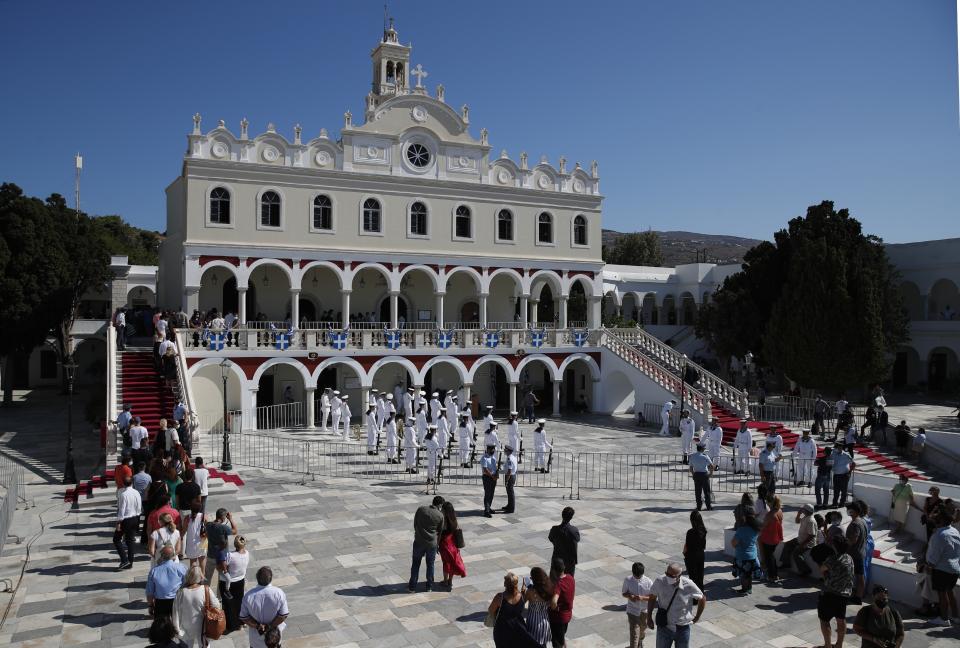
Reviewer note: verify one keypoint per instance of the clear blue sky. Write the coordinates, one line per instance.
(720, 117)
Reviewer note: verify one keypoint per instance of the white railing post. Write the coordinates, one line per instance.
(111, 406)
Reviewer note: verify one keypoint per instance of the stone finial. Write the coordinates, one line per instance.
(503, 154)
(271, 128)
(544, 160)
(465, 114)
(563, 164)
(221, 124)
(593, 170)
(523, 160)
(196, 123)
(484, 135)
(323, 133)
(347, 119)
(244, 126)
(440, 92)
(296, 133)
(577, 166)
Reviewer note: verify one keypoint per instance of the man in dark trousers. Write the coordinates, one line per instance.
(564, 538)
(488, 465)
(427, 525)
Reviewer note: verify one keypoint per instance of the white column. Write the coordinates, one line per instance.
(191, 299)
(345, 308)
(439, 313)
(483, 309)
(593, 313)
(250, 416)
(533, 311)
(563, 312)
(295, 306)
(242, 301)
(556, 397)
(394, 309)
(513, 397)
(311, 415)
(524, 315)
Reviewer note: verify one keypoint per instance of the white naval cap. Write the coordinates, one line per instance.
(514, 413)
(489, 406)
(454, 397)
(346, 396)
(541, 421)
(389, 396)
(493, 424)
(435, 394)
(374, 390)
(431, 427)
(423, 393)
(409, 388)
(443, 409)
(336, 391)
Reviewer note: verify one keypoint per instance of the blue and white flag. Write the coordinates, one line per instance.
(338, 339)
(215, 341)
(391, 338)
(537, 338)
(282, 341)
(445, 338)
(491, 339)
(580, 337)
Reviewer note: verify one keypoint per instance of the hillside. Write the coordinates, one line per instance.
(682, 247)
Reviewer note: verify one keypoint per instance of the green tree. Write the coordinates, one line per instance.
(636, 248)
(140, 246)
(819, 304)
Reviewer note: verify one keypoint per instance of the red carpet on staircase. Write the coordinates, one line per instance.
(142, 388)
(730, 423)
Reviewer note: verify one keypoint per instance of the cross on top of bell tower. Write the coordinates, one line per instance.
(391, 68)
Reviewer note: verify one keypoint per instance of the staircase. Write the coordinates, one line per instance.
(141, 387)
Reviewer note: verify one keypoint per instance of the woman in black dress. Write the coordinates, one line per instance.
(694, 547)
(510, 630)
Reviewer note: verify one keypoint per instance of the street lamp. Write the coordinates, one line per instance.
(225, 460)
(69, 470)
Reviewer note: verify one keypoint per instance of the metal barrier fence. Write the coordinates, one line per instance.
(568, 470)
(12, 491)
(284, 415)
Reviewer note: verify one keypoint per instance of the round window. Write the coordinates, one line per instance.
(418, 155)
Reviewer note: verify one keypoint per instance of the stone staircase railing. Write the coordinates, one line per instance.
(656, 371)
(710, 385)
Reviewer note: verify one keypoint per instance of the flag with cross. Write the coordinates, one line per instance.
(391, 338)
(215, 341)
(282, 341)
(580, 337)
(537, 338)
(491, 339)
(445, 338)
(338, 339)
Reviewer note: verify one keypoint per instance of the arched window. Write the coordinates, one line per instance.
(390, 77)
(371, 215)
(504, 225)
(545, 228)
(270, 209)
(322, 213)
(463, 225)
(220, 206)
(418, 219)
(579, 230)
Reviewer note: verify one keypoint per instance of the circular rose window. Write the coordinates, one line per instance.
(418, 155)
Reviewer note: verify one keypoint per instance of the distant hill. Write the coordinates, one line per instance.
(682, 247)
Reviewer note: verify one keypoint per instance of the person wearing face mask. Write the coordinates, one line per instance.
(879, 625)
(670, 607)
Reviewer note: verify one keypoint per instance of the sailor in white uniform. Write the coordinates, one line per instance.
(390, 428)
(714, 441)
(434, 407)
(665, 417)
(453, 410)
(514, 435)
(421, 419)
(389, 406)
(397, 394)
(432, 447)
(410, 446)
(372, 428)
(806, 452)
(408, 403)
(777, 440)
(336, 406)
(325, 407)
(741, 445)
(443, 430)
(345, 415)
(372, 397)
(464, 441)
(491, 438)
(687, 428)
(488, 419)
(381, 410)
(540, 446)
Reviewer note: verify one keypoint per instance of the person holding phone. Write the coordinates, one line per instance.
(673, 597)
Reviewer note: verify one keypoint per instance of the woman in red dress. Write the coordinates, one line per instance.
(449, 553)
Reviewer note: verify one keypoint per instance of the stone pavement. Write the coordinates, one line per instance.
(340, 549)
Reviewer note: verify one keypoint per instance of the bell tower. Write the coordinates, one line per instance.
(391, 62)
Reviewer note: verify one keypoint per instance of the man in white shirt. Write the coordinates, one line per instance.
(138, 436)
(463, 442)
(218, 323)
(201, 476)
(434, 407)
(161, 325)
(677, 595)
(336, 411)
(687, 428)
(741, 445)
(514, 436)
(806, 452)
(372, 396)
(325, 407)
(488, 419)
(166, 344)
(665, 417)
(453, 410)
(713, 442)
(636, 589)
(372, 428)
(345, 415)
(129, 509)
(263, 609)
(774, 436)
(120, 323)
(491, 438)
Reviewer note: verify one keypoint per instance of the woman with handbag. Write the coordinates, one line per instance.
(190, 607)
(505, 616)
(451, 542)
(745, 556)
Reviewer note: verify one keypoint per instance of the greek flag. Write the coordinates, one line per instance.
(338, 339)
(537, 338)
(215, 341)
(491, 339)
(580, 337)
(444, 339)
(282, 341)
(391, 338)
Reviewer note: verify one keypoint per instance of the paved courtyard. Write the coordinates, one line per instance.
(340, 549)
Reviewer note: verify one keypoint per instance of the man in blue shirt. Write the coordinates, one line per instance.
(943, 562)
(509, 478)
(488, 464)
(163, 583)
(843, 467)
(768, 466)
(701, 467)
